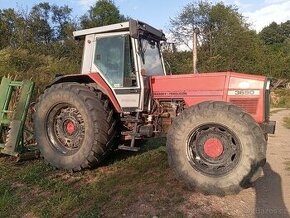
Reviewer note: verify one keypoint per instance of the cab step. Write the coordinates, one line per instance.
(131, 133)
(134, 135)
(128, 148)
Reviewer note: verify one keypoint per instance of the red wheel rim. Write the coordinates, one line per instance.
(70, 127)
(213, 147)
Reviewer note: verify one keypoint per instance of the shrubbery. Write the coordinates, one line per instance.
(281, 98)
(22, 64)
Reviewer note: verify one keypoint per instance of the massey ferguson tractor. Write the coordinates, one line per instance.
(216, 123)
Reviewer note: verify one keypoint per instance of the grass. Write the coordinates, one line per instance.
(276, 110)
(287, 163)
(282, 99)
(286, 121)
(125, 185)
(8, 199)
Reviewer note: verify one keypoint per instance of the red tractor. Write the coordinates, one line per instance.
(216, 123)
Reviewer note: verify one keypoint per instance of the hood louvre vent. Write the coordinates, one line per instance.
(249, 105)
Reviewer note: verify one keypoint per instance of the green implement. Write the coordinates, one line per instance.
(15, 99)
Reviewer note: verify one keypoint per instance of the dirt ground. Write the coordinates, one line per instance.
(270, 195)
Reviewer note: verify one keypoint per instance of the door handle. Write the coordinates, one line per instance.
(133, 90)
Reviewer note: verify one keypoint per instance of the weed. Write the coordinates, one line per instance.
(219, 215)
(283, 99)
(286, 121)
(276, 110)
(8, 199)
(93, 212)
(287, 163)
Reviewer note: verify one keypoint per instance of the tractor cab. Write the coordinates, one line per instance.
(125, 55)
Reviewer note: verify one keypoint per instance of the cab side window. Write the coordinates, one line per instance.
(113, 57)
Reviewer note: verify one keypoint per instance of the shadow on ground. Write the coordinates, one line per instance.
(269, 195)
(144, 144)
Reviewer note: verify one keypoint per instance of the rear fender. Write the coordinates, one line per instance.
(91, 78)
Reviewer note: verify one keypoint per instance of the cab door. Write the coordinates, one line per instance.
(151, 64)
(114, 59)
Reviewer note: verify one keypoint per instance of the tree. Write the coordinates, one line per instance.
(272, 34)
(178, 62)
(61, 17)
(276, 38)
(13, 29)
(7, 25)
(225, 41)
(104, 12)
(39, 25)
(192, 16)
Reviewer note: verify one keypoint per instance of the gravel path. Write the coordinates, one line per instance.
(273, 191)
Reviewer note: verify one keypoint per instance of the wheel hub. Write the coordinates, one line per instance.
(70, 127)
(213, 147)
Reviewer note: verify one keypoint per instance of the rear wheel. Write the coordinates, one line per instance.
(74, 126)
(216, 148)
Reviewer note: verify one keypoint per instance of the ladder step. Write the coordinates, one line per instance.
(128, 148)
(131, 134)
(133, 120)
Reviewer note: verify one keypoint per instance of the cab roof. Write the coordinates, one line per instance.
(136, 29)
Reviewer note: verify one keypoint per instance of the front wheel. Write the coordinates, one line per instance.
(216, 148)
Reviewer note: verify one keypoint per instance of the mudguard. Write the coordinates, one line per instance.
(90, 78)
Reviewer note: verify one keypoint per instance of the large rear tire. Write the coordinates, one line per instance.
(74, 126)
(216, 148)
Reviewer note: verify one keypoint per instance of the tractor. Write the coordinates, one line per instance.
(216, 123)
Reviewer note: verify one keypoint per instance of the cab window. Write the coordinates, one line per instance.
(113, 57)
(151, 57)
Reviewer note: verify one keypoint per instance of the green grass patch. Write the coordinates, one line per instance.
(281, 99)
(93, 212)
(287, 163)
(35, 174)
(58, 204)
(276, 110)
(286, 121)
(219, 215)
(8, 199)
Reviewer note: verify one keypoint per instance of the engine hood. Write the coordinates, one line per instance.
(244, 90)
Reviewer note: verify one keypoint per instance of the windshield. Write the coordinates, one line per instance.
(151, 58)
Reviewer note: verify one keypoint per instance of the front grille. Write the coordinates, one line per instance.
(249, 105)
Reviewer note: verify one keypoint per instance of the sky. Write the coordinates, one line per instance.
(157, 13)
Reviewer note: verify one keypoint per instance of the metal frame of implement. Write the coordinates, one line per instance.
(15, 99)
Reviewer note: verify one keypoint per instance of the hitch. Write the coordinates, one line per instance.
(15, 138)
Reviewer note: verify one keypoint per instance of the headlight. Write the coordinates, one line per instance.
(267, 100)
(268, 84)
(244, 85)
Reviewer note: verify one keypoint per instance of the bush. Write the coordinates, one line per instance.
(281, 98)
(22, 64)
